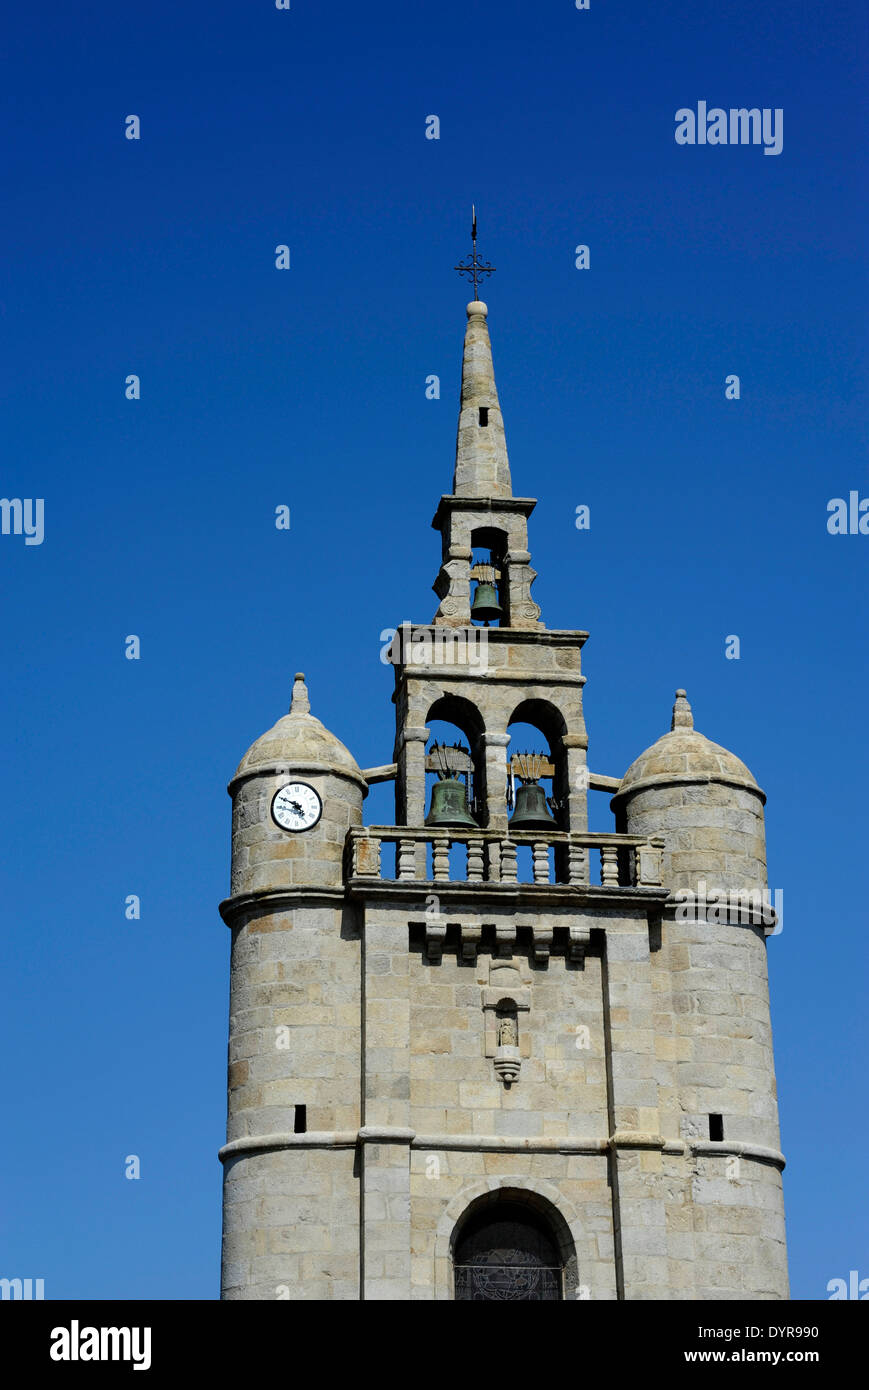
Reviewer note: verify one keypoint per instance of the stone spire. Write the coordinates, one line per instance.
(481, 511)
(682, 716)
(482, 466)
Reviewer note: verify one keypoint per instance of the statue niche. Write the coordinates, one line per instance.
(507, 1059)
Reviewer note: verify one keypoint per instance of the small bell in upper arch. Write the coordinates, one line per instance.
(485, 608)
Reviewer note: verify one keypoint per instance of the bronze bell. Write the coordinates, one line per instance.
(449, 804)
(486, 607)
(531, 811)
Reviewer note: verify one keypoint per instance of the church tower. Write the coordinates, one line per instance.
(483, 1053)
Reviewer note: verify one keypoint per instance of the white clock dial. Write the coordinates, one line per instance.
(296, 806)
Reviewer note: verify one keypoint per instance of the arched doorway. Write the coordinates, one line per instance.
(507, 1251)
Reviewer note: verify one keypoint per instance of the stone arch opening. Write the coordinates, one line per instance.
(489, 547)
(548, 721)
(512, 1245)
(446, 716)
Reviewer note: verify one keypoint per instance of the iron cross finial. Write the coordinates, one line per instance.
(472, 266)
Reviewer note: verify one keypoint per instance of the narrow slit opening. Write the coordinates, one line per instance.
(716, 1127)
(300, 1120)
(484, 415)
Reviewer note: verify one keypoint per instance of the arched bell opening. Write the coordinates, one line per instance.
(538, 788)
(537, 766)
(490, 605)
(455, 764)
(512, 1246)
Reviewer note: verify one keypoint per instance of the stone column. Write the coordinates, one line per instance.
(386, 1134)
(495, 755)
(411, 784)
(495, 765)
(575, 746)
(411, 772)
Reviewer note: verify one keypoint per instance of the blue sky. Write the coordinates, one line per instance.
(306, 388)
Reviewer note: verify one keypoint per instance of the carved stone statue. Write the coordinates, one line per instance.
(507, 1032)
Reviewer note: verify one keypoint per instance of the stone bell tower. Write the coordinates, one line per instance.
(483, 1053)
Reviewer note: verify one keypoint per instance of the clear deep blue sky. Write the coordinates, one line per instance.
(306, 387)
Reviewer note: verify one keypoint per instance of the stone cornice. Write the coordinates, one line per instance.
(276, 899)
(451, 502)
(290, 768)
(524, 895)
(497, 1143)
(499, 675)
(268, 1143)
(542, 896)
(504, 636)
(734, 911)
(733, 1146)
(687, 779)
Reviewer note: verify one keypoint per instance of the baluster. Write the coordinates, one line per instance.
(609, 865)
(475, 861)
(541, 861)
(577, 864)
(440, 858)
(509, 868)
(406, 865)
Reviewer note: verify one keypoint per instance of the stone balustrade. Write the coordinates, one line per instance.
(625, 861)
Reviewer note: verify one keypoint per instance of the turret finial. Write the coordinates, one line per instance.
(472, 266)
(682, 716)
(482, 467)
(300, 704)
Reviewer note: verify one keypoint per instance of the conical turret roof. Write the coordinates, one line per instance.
(298, 739)
(685, 755)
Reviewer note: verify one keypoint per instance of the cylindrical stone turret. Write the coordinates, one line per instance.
(291, 1209)
(711, 968)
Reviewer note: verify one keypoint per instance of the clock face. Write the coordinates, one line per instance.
(296, 806)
